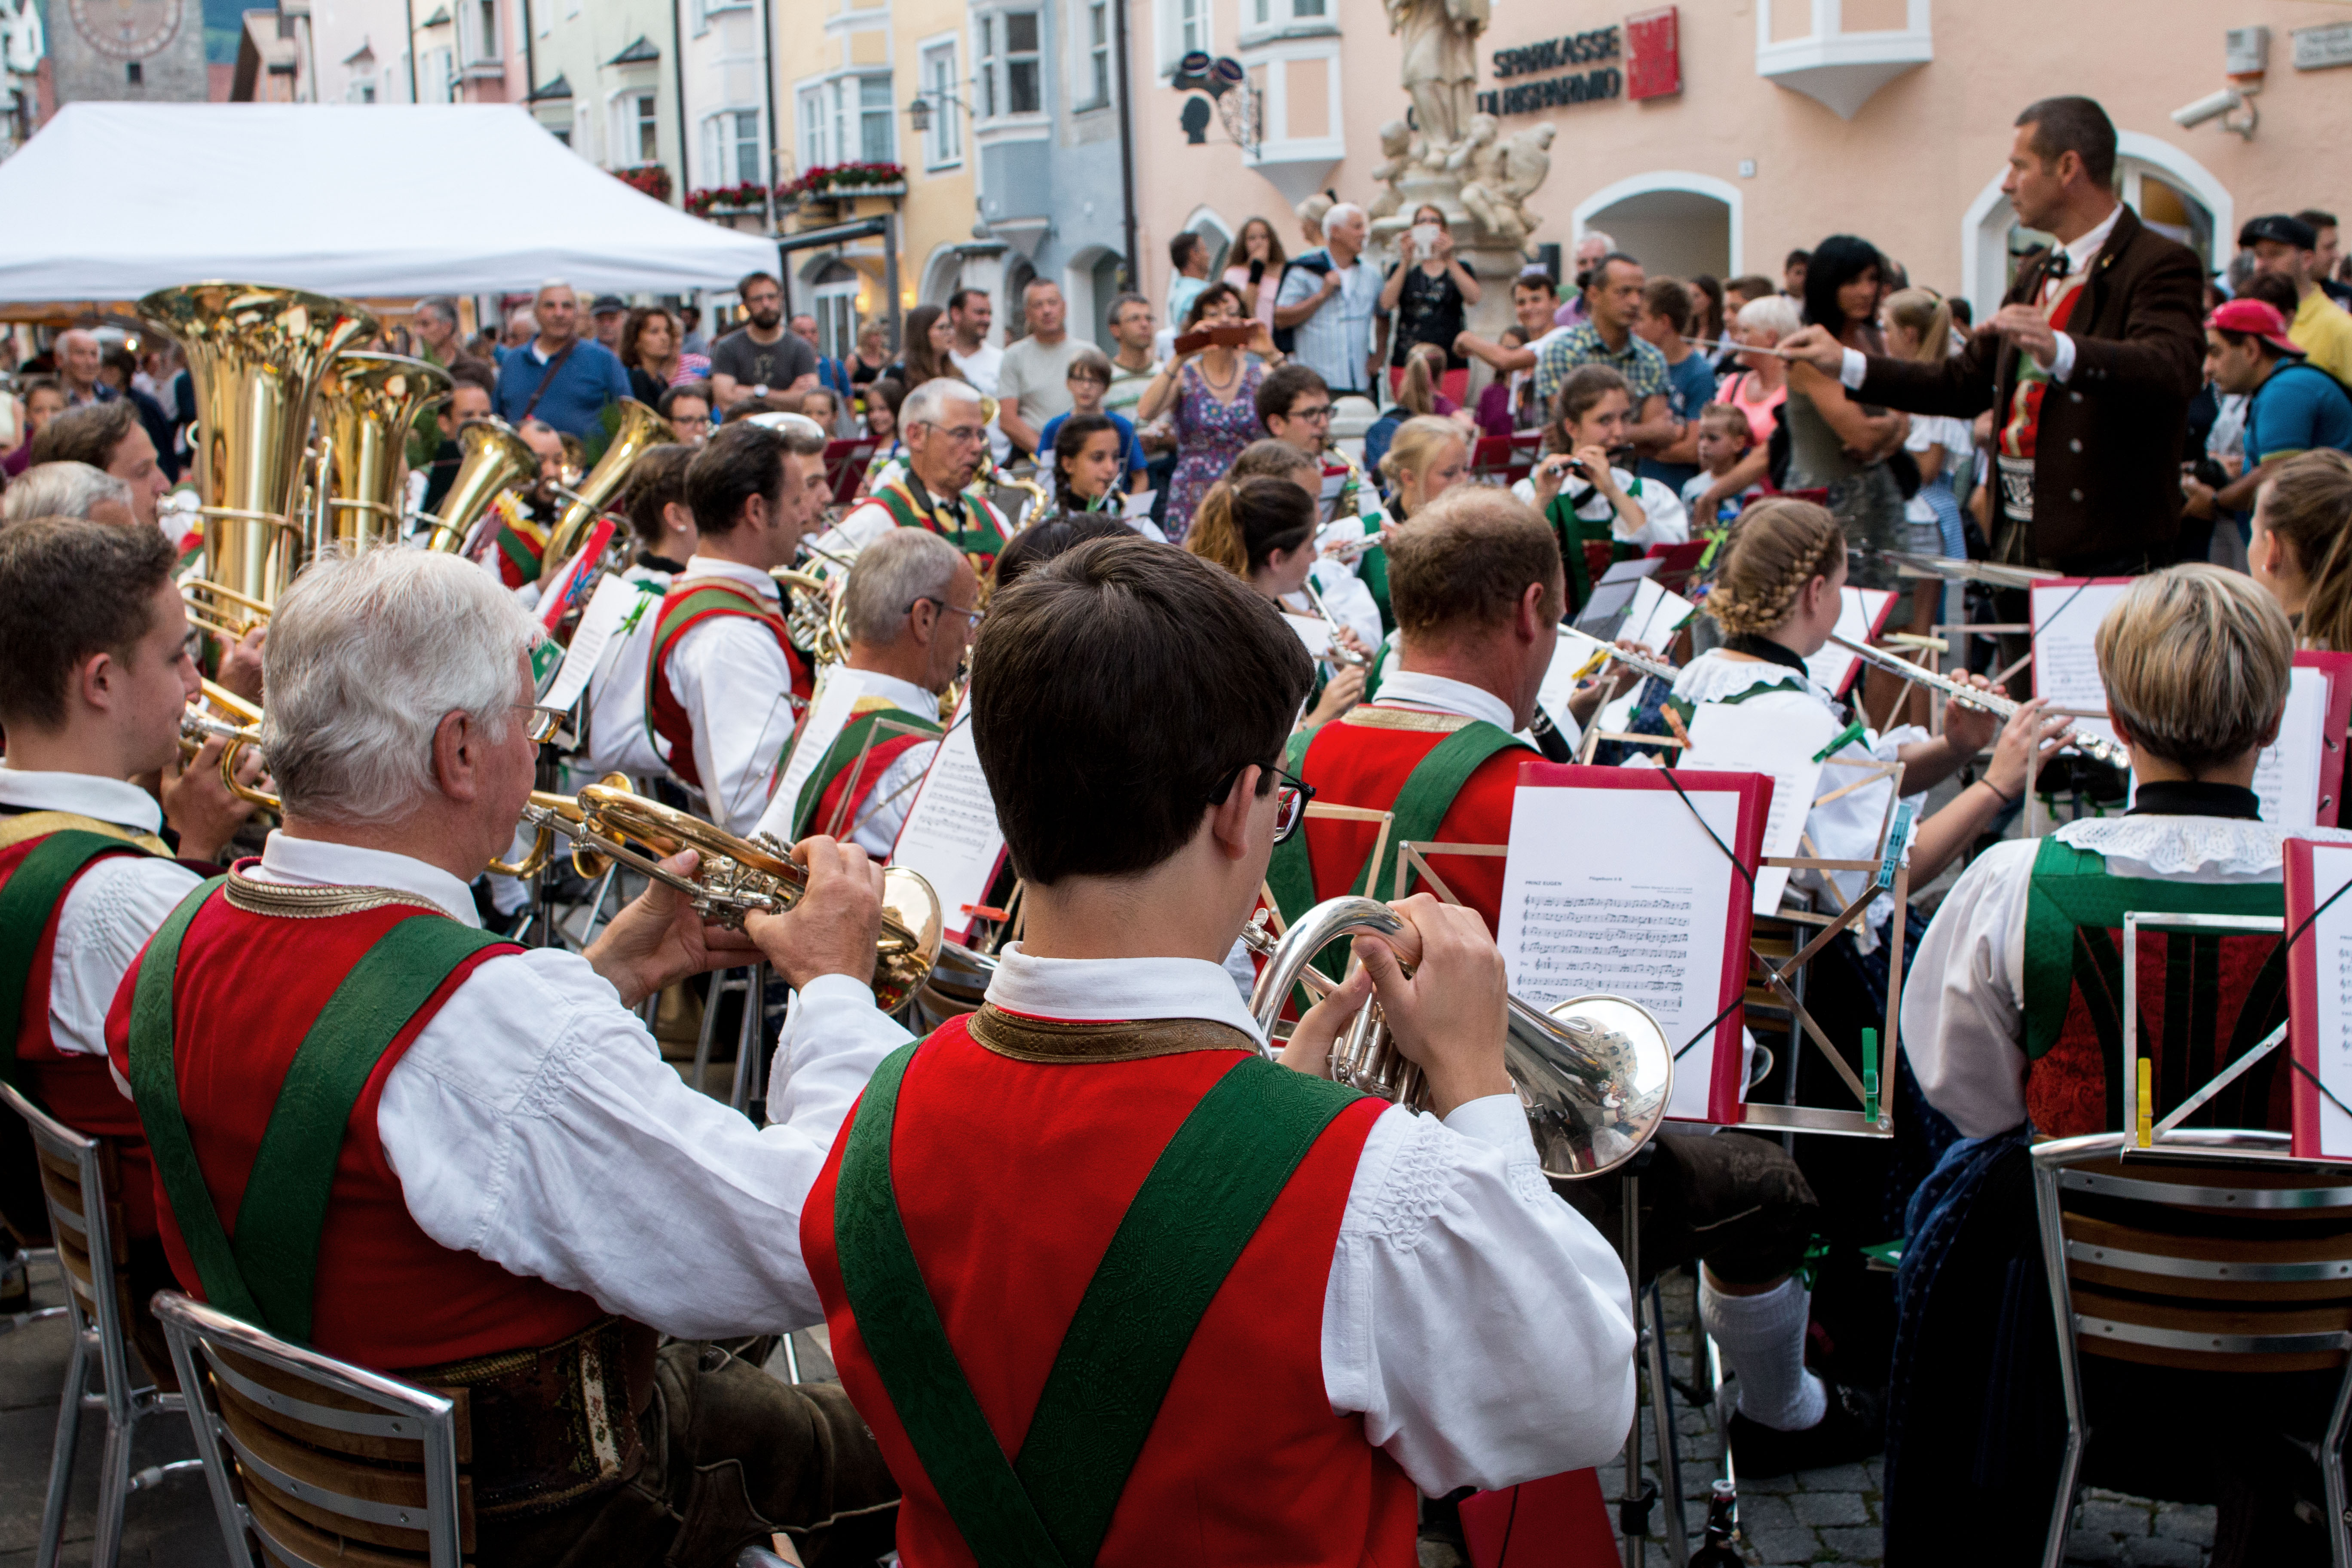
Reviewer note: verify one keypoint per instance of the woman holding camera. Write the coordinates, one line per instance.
(1588, 500)
(1429, 291)
(1211, 383)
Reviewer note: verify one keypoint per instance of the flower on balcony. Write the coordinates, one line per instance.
(653, 179)
(844, 179)
(744, 197)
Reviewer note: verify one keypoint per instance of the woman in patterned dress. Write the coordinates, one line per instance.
(1212, 392)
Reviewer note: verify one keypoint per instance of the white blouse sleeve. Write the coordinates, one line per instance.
(1964, 1002)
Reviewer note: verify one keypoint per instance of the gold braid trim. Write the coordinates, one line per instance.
(315, 903)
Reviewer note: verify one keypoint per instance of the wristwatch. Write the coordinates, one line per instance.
(760, 390)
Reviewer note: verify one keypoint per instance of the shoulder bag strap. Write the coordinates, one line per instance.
(26, 900)
(545, 376)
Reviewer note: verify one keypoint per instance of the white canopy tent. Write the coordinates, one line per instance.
(110, 200)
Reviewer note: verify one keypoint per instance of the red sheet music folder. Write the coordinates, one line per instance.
(1722, 1055)
(2313, 873)
(2338, 667)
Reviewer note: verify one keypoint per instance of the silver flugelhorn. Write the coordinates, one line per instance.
(2097, 747)
(1594, 1073)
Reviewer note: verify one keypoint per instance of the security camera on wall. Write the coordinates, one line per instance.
(2210, 106)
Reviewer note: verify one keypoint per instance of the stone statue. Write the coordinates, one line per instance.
(1503, 176)
(21, 46)
(1405, 152)
(1440, 62)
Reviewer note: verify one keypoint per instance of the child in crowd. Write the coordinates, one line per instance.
(823, 405)
(1089, 379)
(1724, 437)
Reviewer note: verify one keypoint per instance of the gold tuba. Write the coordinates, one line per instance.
(1594, 1073)
(740, 877)
(495, 459)
(256, 357)
(640, 427)
(366, 405)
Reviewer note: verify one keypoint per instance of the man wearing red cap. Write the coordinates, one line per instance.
(2293, 405)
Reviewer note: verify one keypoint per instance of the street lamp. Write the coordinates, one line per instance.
(918, 111)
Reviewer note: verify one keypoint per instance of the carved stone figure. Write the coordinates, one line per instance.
(1404, 152)
(1440, 62)
(1503, 176)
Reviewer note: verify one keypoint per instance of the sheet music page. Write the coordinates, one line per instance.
(2066, 661)
(1313, 631)
(614, 598)
(2287, 775)
(1621, 890)
(1657, 615)
(952, 836)
(837, 691)
(1766, 737)
(1858, 610)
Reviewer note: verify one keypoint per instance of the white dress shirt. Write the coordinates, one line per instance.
(1479, 1325)
(1964, 1006)
(731, 678)
(1418, 688)
(874, 817)
(112, 907)
(618, 738)
(1664, 519)
(535, 1123)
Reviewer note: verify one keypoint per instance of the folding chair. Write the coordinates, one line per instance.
(2188, 1261)
(315, 1460)
(82, 1192)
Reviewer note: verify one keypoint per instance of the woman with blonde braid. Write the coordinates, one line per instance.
(1263, 531)
(2299, 550)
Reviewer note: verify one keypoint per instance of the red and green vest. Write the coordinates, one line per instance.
(256, 1031)
(520, 544)
(1074, 1277)
(833, 781)
(983, 532)
(687, 603)
(2205, 997)
(42, 855)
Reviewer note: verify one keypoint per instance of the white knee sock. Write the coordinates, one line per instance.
(1763, 1338)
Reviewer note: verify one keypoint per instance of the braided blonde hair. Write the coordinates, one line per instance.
(1774, 549)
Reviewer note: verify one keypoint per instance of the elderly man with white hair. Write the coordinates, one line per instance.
(559, 376)
(1332, 318)
(463, 1162)
(725, 688)
(946, 436)
(79, 355)
(911, 605)
(68, 489)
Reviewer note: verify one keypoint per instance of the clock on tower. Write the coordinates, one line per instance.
(126, 29)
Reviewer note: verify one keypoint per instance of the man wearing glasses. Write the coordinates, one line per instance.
(1316, 1302)
(946, 436)
(911, 605)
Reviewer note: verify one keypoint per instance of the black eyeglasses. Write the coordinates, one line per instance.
(1290, 797)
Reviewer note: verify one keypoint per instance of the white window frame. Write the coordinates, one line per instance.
(944, 143)
(629, 113)
(835, 310)
(867, 115)
(1170, 21)
(992, 59)
(810, 113)
(479, 51)
(1261, 18)
(1093, 80)
(831, 114)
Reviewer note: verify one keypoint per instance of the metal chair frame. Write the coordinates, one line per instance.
(410, 1414)
(2052, 1171)
(98, 1336)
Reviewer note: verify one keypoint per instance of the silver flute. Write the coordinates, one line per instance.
(2094, 746)
(1340, 653)
(1657, 666)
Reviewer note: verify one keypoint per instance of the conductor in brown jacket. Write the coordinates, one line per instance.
(2088, 366)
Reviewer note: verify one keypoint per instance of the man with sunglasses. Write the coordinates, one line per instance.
(911, 605)
(946, 436)
(1205, 1299)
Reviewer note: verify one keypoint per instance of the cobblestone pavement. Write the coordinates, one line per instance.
(1831, 1516)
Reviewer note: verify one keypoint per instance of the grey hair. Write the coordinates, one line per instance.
(563, 283)
(367, 654)
(1341, 213)
(441, 305)
(1606, 241)
(1777, 313)
(62, 489)
(902, 566)
(927, 402)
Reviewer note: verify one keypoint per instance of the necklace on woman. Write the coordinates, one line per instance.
(1211, 382)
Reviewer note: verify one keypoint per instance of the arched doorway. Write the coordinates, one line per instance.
(1212, 228)
(2172, 192)
(1090, 282)
(1678, 223)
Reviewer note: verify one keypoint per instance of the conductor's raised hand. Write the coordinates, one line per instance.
(1449, 1017)
(658, 938)
(1816, 346)
(834, 926)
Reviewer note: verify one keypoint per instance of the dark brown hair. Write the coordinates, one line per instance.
(1466, 560)
(1669, 297)
(1579, 391)
(658, 479)
(1067, 658)
(2076, 125)
(923, 363)
(1240, 522)
(86, 434)
(1268, 458)
(1042, 542)
(70, 589)
(1282, 386)
(1209, 296)
(632, 329)
(740, 462)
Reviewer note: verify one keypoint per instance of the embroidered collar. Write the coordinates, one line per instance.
(1759, 646)
(84, 795)
(2195, 797)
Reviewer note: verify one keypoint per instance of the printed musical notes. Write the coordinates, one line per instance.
(951, 835)
(2286, 776)
(2066, 614)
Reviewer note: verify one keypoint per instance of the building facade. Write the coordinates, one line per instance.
(605, 84)
(131, 51)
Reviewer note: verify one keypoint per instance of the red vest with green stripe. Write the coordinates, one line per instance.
(2205, 997)
(983, 532)
(840, 775)
(250, 1069)
(1449, 780)
(77, 1090)
(689, 603)
(1177, 1413)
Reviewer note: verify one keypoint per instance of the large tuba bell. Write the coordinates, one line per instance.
(640, 427)
(1594, 1073)
(367, 404)
(256, 357)
(495, 458)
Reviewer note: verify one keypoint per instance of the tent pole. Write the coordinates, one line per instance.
(890, 271)
(410, 7)
(678, 68)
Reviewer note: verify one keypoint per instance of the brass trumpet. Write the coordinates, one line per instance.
(1593, 1073)
(741, 877)
(201, 723)
(495, 460)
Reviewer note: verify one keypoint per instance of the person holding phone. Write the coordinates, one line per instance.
(1256, 270)
(1429, 291)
